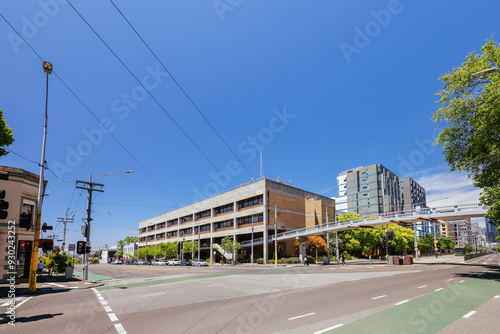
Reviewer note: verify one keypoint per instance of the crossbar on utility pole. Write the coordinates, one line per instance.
(89, 186)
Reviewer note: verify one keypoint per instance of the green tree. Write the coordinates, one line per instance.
(190, 247)
(6, 136)
(470, 114)
(228, 245)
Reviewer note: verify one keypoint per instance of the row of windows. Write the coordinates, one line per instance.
(249, 219)
(250, 202)
(172, 222)
(224, 224)
(223, 209)
(187, 231)
(186, 219)
(172, 234)
(203, 214)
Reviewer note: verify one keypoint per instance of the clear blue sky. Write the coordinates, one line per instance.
(320, 87)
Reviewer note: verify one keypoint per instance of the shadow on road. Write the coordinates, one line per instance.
(37, 317)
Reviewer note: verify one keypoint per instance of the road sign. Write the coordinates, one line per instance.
(71, 247)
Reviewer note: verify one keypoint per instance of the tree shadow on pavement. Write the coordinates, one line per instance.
(37, 317)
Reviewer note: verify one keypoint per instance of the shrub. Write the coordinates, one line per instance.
(260, 261)
(94, 260)
(61, 261)
(311, 260)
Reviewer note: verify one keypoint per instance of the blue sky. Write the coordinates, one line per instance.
(320, 87)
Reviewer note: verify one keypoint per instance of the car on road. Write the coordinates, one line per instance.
(117, 262)
(174, 262)
(199, 263)
(185, 263)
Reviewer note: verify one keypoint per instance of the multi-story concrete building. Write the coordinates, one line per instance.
(412, 195)
(370, 190)
(248, 207)
(21, 192)
(491, 232)
(129, 249)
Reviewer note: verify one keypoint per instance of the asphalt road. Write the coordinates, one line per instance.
(343, 299)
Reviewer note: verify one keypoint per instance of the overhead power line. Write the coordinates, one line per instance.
(182, 89)
(90, 111)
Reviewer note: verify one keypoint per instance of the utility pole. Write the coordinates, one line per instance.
(89, 186)
(327, 238)
(275, 236)
(64, 221)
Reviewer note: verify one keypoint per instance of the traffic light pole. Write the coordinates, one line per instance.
(89, 186)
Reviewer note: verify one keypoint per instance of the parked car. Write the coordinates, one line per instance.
(140, 262)
(147, 263)
(199, 263)
(117, 262)
(185, 263)
(174, 262)
(161, 263)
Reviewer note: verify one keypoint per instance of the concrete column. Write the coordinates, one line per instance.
(211, 251)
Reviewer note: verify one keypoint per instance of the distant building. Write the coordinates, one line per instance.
(412, 195)
(108, 255)
(370, 190)
(491, 232)
(129, 249)
(237, 212)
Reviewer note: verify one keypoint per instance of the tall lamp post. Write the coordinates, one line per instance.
(89, 186)
(47, 68)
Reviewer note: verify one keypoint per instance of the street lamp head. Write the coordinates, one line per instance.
(484, 72)
(47, 67)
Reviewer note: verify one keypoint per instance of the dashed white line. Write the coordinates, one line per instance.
(379, 297)
(469, 314)
(496, 297)
(439, 289)
(329, 329)
(402, 302)
(302, 316)
(461, 281)
(107, 309)
(451, 279)
(113, 317)
(213, 285)
(119, 328)
(422, 286)
(155, 294)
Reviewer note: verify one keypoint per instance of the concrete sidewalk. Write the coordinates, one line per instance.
(47, 284)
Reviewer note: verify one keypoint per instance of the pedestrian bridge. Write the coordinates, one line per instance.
(404, 219)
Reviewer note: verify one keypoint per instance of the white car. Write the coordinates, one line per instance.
(174, 262)
(161, 263)
(117, 262)
(199, 263)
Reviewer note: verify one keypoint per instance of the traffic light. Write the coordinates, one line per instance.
(384, 241)
(81, 247)
(3, 205)
(45, 227)
(26, 220)
(47, 244)
(87, 249)
(390, 235)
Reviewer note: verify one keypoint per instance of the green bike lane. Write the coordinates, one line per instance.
(429, 313)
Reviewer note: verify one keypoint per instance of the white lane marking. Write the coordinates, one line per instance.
(451, 279)
(213, 285)
(439, 289)
(402, 302)
(112, 317)
(302, 316)
(119, 328)
(379, 297)
(354, 279)
(461, 281)
(107, 309)
(329, 329)
(422, 286)
(104, 303)
(155, 294)
(469, 314)
(485, 262)
(59, 285)
(496, 297)
(17, 305)
(13, 300)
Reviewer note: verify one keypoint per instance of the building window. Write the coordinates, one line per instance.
(248, 220)
(203, 214)
(172, 234)
(227, 223)
(250, 202)
(186, 219)
(223, 209)
(151, 228)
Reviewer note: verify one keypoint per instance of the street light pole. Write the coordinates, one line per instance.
(47, 68)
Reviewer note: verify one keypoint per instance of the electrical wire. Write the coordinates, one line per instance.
(88, 109)
(181, 89)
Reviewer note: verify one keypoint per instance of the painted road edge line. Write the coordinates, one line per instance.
(469, 314)
(496, 297)
(439, 289)
(302, 316)
(329, 329)
(402, 302)
(422, 286)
